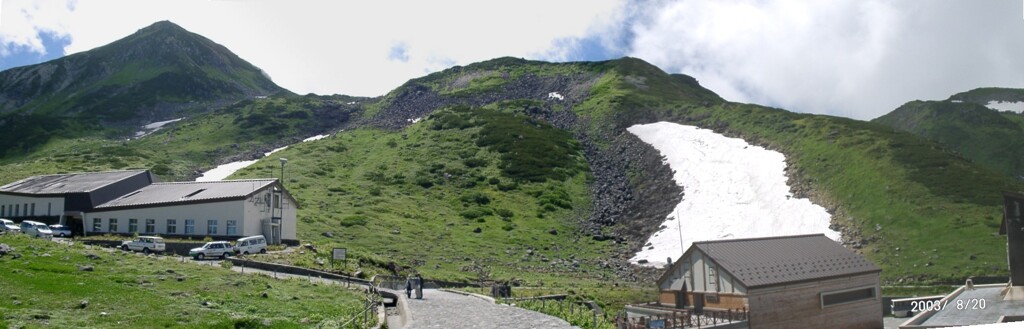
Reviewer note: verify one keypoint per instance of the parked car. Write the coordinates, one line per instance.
(7, 225)
(220, 249)
(36, 229)
(145, 244)
(60, 230)
(251, 245)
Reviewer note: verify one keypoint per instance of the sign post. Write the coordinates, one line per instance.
(339, 254)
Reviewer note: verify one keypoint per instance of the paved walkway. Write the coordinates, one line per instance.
(444, 310)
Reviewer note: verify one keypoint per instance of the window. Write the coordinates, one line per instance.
(113, 225)
(150, 225)
(211, 226)
(3, 211)
(97, 223)
(33, 209)
(232, 227)
(277, 201)
(26, 210)
(17, 210)
(133, 225)
(172, 226)
(711, 298)
(190, 226)
(712, 276)
(847, 296)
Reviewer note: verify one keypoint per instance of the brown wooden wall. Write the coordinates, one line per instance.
(725, 301)
(799, 306)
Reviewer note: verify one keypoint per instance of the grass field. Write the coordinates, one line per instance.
(45, 288)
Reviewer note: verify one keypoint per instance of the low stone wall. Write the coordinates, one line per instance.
(175, 248)
(288, 269)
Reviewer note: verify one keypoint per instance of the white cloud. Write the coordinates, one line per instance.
(855, 58)
(329, 47)
(22, 22)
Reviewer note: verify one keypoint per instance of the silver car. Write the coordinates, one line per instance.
(7, 225)
(60, 230)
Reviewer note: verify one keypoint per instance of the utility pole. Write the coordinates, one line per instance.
(283, 161)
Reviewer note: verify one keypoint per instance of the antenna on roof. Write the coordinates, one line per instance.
(680, 227)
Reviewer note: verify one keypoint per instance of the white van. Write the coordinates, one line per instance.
(251, 245)
(36, 229)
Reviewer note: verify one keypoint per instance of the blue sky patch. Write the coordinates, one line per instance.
(23, 55)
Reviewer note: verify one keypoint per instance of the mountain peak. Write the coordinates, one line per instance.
(160, 71)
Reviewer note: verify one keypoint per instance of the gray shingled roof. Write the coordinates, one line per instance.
(187, 192)
(781, 260)
(67, 183)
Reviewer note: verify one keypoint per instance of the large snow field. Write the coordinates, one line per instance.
(731, 190)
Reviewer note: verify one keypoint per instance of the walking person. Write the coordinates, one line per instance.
(419, 286)
(408, 287)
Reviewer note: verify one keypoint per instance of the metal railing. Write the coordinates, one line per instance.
(683, 319)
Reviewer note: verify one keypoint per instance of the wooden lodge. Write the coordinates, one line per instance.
(803, 281)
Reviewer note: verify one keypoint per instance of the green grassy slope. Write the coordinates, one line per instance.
(415, 197)
(983, 135)
(183, 148)
(44, 288)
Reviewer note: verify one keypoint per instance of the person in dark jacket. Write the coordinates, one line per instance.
(408, 288)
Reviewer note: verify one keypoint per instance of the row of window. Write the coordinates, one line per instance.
(172, 226)
(18, 210)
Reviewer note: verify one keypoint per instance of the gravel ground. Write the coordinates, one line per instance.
(439, 309)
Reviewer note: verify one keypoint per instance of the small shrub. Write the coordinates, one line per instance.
(476, 212)
(353, 220)
(424, 182)
(478, 198)
(504, 213)
(475, 162)
(375, 191)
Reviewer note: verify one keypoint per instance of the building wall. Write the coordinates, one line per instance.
(44, 206)
(725, 301)
(201, 213)
(799, 305)
(701, 274)
(259, 209)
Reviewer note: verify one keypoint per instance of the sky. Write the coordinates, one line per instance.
(851, 58)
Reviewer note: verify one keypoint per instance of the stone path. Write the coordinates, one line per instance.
(445, 310)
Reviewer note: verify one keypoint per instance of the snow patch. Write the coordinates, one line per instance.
(1016, 107)
(223, 171)
(153, 127)
(732, 190)
(314, 138)
(556, 95)
(414, 120)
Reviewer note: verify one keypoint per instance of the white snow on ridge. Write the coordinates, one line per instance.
(153, 127)
(1017, 107)
(732, 190)
(556, 95)
(223, 171)
(314, 138)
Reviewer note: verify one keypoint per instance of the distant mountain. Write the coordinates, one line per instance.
(160, 72)
(966, 124)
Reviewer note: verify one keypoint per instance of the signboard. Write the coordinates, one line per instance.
(339, 254)
(656, 324)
